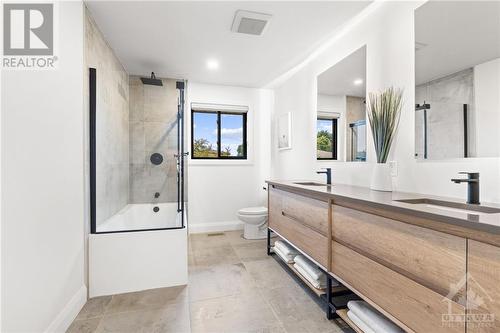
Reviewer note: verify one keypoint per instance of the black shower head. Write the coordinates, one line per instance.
(152, 80)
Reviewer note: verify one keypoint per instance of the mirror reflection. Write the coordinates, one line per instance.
(341, 110)
(457, 76)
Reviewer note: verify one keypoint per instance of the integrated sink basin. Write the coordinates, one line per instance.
(310, 184)
(452, 206)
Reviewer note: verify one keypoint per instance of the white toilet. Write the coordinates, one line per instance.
(255, 219)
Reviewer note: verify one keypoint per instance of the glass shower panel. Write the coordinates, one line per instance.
(358, 140)
(420, 134)
(441, 131)
(137, 146)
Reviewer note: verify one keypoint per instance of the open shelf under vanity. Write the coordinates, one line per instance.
(318, 292)
(342, 313)
(334, 303)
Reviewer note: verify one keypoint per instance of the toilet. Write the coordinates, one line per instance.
(255, 220)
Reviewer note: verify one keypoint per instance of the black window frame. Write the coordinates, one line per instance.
(219, 156)
(334, 138)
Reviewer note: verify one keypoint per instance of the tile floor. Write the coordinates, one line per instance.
(233, 287)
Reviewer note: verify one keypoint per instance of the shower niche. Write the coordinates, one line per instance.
(137, 135)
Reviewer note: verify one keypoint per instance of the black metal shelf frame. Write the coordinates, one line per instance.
(330, 301)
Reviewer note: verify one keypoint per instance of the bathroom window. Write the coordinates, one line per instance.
(326, 139)
(218, 135)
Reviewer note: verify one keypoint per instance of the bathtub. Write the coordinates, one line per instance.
(150, 257)
(142, 217)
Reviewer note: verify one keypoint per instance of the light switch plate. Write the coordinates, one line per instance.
(393, 165)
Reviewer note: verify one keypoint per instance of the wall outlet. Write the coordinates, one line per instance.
(393, 165)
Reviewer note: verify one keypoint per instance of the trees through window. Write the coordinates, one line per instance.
(218, 135)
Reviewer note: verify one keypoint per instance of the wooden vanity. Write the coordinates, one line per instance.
(409, 262)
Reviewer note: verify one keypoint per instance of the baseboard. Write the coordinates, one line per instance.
(64, 319)
(198, 228)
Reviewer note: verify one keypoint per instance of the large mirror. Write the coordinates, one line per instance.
(457, 77)
(341, 110)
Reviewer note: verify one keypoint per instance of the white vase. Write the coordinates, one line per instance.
(381, 178)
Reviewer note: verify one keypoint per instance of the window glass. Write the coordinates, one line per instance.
(232, 135)
(219, 135)
(326, 139)
(204, 129)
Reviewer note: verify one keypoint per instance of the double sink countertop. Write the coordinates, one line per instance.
(484, 217)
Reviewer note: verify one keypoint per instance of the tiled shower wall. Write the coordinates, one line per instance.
(112, 123)
(153, 129)
(355, 110)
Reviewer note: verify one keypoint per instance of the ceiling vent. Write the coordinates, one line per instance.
(250, 23)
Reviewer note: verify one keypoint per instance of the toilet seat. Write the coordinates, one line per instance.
(253, 211)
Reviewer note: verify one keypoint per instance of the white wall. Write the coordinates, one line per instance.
(487, 107)
(218, 189)
(43, 188)
(388, 32)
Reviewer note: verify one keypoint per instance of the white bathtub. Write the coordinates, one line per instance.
(142, 217)
(121, 262)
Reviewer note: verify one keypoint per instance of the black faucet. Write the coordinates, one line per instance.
(328, 175)
(472, 186)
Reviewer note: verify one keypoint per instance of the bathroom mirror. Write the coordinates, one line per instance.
(457, 78)
(341, 110)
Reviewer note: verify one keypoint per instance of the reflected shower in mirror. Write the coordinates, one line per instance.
(457, 77)
(341, 110)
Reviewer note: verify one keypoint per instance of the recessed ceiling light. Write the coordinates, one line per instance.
(358, 82)
(212, 64)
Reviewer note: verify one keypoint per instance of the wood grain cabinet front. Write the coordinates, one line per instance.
(434, 259)
(308, 211)
(301, 220)
(407, 302)
(424, 280)
(483, 288)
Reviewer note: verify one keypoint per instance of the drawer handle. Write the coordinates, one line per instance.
(291, 217)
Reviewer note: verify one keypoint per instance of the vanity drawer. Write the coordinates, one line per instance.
(299, 233)
(303, 237)
(305, 210)
(412, 304)
(484, 288)
(431, 258)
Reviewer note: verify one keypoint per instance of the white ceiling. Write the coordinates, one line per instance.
(458, 34)
(338, 80)
(175, 39)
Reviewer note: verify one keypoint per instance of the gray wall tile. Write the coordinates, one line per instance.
(112, 123)
(153, 129)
